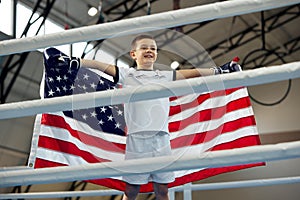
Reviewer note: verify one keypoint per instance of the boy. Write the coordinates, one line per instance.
(147, 121)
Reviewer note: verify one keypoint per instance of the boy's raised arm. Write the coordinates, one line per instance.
(229, 67)
(104, 67)
(192, 73)
(55, 57)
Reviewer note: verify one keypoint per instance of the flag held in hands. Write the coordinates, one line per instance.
(212, 121)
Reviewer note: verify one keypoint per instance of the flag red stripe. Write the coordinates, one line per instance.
(209, 114)
(108, 182)
(69, 148)
(252, 140)
(42, 163)
(214, 93)
(59, 122)
(199, 100)
(206, 173)
(207, 136)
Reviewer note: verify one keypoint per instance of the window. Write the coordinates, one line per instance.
(23, 16)
(6, 10)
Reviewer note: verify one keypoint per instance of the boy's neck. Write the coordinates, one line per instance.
(150, 68)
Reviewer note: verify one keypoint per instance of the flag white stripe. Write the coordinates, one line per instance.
(186, 172)
(191, 97)
(185, 99)
(212, 124)
(210, 103)
(59, 157)
(221, 139)
(64, 135)
(35, 140)
(83, 127)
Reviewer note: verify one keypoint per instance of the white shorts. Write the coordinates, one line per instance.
(145, 145)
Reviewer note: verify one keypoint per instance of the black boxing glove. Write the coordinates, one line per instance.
(229, 67)
(55, 58)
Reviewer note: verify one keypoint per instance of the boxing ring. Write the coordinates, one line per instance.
(263, 153)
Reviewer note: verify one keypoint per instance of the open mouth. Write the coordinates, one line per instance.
(148, 56)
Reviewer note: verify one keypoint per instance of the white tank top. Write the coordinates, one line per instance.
(150, 115)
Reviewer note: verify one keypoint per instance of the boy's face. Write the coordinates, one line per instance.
(145, 53)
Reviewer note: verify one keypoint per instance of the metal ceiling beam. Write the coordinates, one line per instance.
(77, 185)
(291, 46)
(125, 8)
(254, 32)
(251, 33)
(18, 189)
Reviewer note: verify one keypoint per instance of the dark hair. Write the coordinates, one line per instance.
(138, 38)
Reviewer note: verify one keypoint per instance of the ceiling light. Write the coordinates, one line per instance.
(92, 11)
(174, 65)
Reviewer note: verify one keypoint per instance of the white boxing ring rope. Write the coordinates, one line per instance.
(143, 24)
(213, 159)
(175, 88)
(252, 154)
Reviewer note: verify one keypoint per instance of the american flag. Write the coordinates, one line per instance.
(212, 121)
